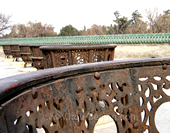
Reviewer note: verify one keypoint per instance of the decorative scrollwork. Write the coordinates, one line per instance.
(80, 56)
(150, 94)
(97, 55)
(74, 104)
(61, 58)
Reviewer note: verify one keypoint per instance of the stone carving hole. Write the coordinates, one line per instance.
(17, 120)
(108, 57)
(105, 124)
(162, 118)
(29, 113)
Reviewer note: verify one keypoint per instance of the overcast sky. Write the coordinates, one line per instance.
(78, 13)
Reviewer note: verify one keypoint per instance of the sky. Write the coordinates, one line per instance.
(78, 13)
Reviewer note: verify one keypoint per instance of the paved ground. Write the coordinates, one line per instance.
(162, 118)
(8, 70)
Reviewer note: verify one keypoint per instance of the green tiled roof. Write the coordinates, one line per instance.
(94, 39)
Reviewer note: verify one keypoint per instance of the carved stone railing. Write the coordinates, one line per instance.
(7, 50)
(26, 54)
(37, 56)
(61, 55)
(15, 51)
(73, 98)
(64, 55)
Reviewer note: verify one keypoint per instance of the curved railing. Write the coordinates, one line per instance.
(94, 39)
(73, 98)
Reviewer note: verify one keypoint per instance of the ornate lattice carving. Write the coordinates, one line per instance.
(25, 52)
(40, 110)
(61, 58)
(80, 56)
(150, 86)
(97, 55)
(37, 58)
(7, 50)
(15, 51)
(57, 108)
(38, 63)
(15, 47)
(106, 96)
(25, 49)
(36, 51)
(26, 58)
(48, 59)
(74, 104)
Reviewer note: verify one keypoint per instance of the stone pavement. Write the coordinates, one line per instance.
(7, 70)
(162, 117)
(10, 68)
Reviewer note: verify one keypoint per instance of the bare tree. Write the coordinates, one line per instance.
(158, 23)
(31, 30)
(152, 17)
(163, 22)
(4, 23)
(95, 30)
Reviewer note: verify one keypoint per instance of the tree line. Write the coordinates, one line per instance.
(157, 23)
